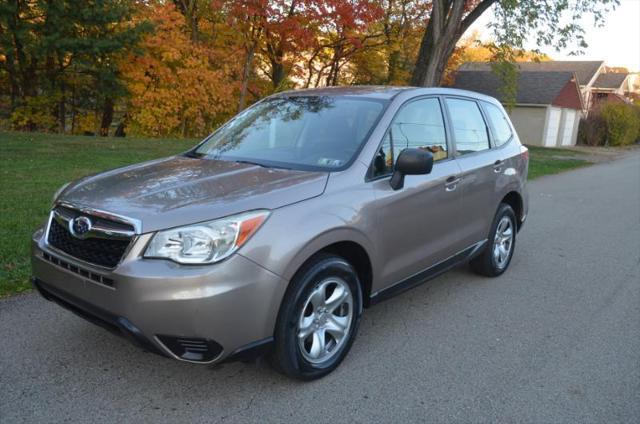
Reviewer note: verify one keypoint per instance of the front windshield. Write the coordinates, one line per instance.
(312, 133)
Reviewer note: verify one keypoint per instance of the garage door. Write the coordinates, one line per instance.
(569, 121)
(553, 125)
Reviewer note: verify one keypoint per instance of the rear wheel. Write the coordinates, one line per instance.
(496, 257)
(318, 319)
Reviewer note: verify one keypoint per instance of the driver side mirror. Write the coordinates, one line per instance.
(410, 162)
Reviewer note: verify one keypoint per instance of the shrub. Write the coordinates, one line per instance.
(35, 114)
(592, 130)
(613, 124)
(623, 123)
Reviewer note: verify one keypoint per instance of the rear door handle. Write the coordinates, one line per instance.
(497, 166)
(451, 183)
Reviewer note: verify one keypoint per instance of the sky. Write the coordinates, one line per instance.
(617, 42)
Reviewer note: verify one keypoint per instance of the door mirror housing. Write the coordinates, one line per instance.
(410, 162)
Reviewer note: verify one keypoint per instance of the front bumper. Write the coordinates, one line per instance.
(198, 314)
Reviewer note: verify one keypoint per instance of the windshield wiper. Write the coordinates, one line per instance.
(262, 165)
(194, 154)
(248, 162)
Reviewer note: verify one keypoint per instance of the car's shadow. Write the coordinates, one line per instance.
(92, 349)
(403, 339)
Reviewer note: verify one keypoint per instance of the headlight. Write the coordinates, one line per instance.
(60, 190)
(206, 242)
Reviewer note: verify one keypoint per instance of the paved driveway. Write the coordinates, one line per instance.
(556, 339)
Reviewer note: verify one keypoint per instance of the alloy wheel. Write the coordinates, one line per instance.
(325, 321)
(503, 242)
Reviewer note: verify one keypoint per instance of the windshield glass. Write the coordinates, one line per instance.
(313, 133)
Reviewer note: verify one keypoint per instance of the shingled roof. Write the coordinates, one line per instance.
(536, 88)
(584, 69)
(611, 80)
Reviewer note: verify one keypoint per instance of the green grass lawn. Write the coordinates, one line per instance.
(34, 166)
(546, 161)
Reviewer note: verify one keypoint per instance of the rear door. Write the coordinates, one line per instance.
(480, 166)
(418, 224)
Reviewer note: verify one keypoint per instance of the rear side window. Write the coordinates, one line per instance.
(469, 128)
(418, 125)
(500, 124)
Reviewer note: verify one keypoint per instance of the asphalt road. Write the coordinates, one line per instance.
(555, 339)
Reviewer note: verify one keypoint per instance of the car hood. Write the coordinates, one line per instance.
(181, 190)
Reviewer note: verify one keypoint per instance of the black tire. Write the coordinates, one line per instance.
(485, 263)
(287, 356)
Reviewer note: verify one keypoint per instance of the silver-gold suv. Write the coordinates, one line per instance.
(274, 233)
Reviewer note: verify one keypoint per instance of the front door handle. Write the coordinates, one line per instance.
(451, 183)
(497, 166)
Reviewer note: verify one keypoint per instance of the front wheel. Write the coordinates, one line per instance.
(496, 257)
(318, 319)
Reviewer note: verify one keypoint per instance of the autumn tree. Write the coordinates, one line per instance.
(402, 29)
(399, 31)
(54, 49)
(178, 87)
(247, 17)
(341, 34)
(549, 22)
(288, 28)
(192, 10)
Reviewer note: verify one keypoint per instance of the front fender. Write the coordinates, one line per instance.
(294, 233)
(331, 236)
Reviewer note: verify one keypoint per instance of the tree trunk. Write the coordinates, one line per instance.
(194, 28)
(334, 69)
(190, 11)
(120, 130)
(13, 80)
(62, 111)
(444, 29)
(392, 70)
(26, 70)
(432, 61)
(107, 117)
(184, 127)
(248, 64)
(277, 72)
(73, 109)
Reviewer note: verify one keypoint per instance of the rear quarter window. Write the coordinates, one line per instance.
(499, 123)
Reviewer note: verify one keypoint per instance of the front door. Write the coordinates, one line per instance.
(417, 225)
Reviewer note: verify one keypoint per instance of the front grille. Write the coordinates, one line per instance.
(100, 251)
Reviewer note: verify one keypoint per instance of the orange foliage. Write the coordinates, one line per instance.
(178, 87)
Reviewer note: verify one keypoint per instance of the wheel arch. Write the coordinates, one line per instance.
(351, 248)
(514, 199)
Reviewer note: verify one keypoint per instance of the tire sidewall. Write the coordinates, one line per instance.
(289, 357)
(503, 210)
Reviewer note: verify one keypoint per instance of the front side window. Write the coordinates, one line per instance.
(419, 125)
(499, 123)
(469, 128)
(309, 133)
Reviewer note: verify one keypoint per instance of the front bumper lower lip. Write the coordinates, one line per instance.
(189, 349)
(116, 325)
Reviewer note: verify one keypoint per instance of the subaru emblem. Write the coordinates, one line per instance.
(80, 226)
